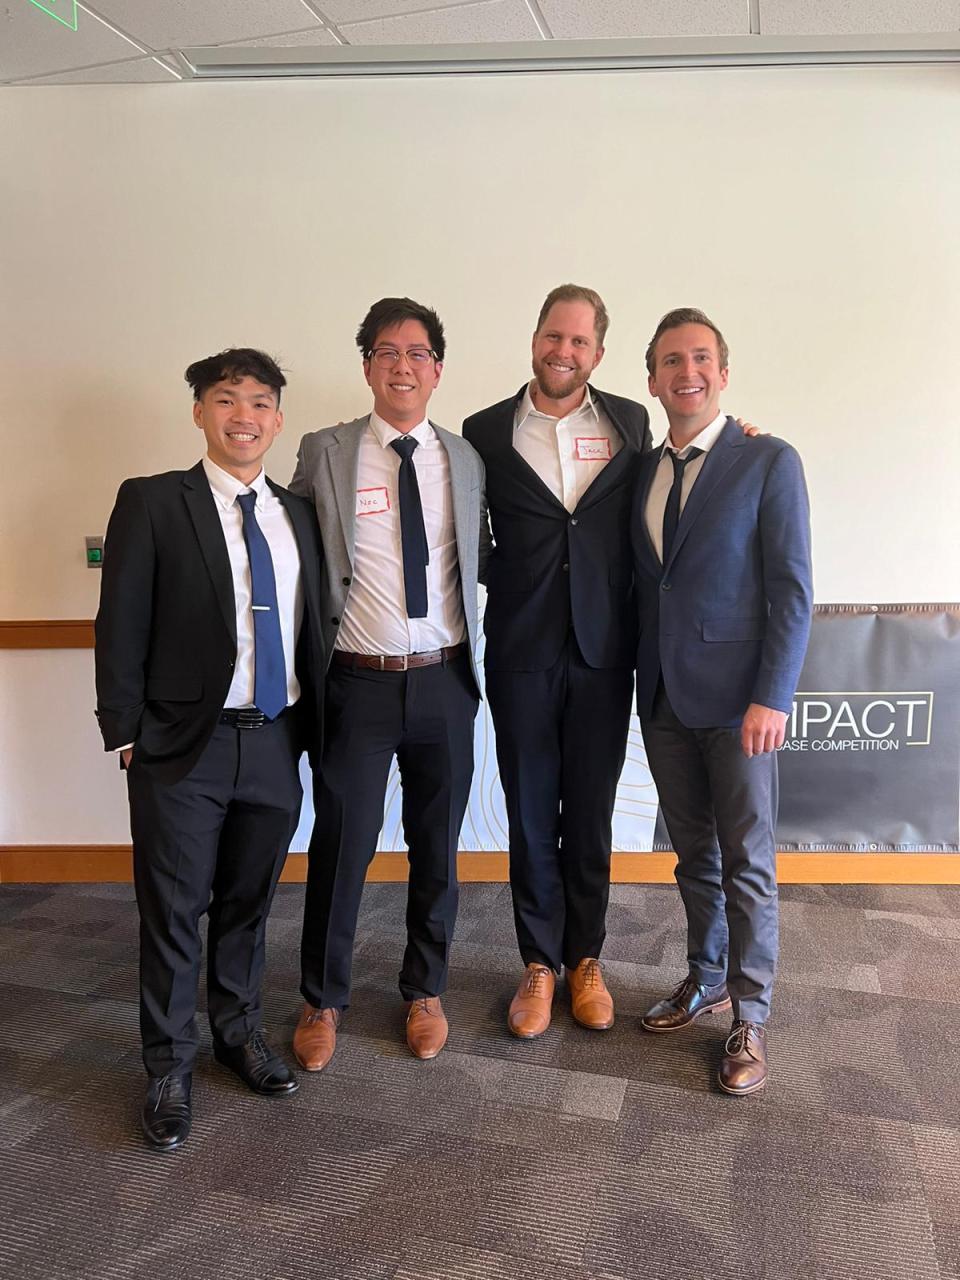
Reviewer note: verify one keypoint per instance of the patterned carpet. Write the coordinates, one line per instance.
(580, 1156)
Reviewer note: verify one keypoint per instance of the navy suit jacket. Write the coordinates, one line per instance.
(553, 570)
(727, 618)
(166, 629)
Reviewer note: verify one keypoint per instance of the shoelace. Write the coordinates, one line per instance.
(591, 974)
(687, 987)
(316, 1015)
(739, 1038)
(259, 1046)
(535, 980)
(419, 1006)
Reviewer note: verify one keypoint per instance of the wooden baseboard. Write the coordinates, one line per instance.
(55, 633)
(74, 864)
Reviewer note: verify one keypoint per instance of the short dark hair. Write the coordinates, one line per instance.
(232, 365)
(577, 293)
(389, 312)
(673, 320)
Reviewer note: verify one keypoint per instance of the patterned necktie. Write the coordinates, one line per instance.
(671, 512)
(270, 671)
(413, 537)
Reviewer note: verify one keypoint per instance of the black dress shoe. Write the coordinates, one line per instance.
(258, 1066)
(165, 1116)
(688, 1001)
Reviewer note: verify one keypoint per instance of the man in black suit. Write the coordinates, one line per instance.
(561, 460)
(208, 654)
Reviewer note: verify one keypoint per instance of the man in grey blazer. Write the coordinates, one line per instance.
(399, 502)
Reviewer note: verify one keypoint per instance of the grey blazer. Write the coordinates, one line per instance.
(327, 474)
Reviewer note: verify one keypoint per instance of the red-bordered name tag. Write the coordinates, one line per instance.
(372, 502)
(592, 448)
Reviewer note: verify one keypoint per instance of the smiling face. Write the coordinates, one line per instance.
(402, 388)
(687, 378)
(240, 419)
(566, 351)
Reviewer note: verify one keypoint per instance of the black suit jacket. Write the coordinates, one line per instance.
(166, 638)
(551, 569)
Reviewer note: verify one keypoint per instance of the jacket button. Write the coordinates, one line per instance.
(664, 586)
(346, 582)
(335, 621)
(574, 521)
(566, 568)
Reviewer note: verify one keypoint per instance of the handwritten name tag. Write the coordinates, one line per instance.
(371, 502)
(592, 449)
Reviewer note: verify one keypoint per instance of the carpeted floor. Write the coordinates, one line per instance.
(580, 1156)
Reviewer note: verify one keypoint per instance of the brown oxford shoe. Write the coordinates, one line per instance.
(590, 1001)
(426, 1027)
(529, 1014)
(743, 1068)
(688, 1001)
(315, 1037)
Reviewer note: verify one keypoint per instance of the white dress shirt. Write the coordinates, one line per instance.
(375, 615)
(663, 478)
(566, 453)
(275, 525)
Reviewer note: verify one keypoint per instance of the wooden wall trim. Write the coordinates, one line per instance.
(47, 633)
(71, 864)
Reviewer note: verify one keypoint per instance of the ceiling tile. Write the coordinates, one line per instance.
(340, 11)
(178, 24)
(589, 19)
(139, 71)
(857, 17)
(464, 24)
(315, 35)
(33, 43)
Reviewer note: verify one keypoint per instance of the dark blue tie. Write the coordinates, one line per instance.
(270, 670)
(413, 537)
(671, 512)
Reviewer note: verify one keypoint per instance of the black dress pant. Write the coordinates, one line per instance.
(424, 718)
(214, 842)
(561, 742)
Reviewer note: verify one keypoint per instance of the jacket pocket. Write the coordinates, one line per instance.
(727, 629)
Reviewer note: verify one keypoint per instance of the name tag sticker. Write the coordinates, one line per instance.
(372, 502)
(592, 448)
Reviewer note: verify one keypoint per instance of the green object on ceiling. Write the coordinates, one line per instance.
(64, 11)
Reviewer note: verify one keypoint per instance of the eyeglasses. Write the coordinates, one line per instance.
(387, 356)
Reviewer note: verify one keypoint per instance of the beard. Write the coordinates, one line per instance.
(558, 386)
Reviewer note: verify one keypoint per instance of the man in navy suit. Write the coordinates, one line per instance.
(721, 540)
(561, 461)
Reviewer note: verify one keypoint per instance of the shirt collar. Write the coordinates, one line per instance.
(527, 406)
(225, 487)
(704, 440)
(385, 434)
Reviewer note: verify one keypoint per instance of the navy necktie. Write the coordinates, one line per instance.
(270, 670)
(413, 537)
(671, 512)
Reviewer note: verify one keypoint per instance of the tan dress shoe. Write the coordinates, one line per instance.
(426, 1027)
(315, 1037)
(743, 1068)
(590, 1001)
(529, 1014)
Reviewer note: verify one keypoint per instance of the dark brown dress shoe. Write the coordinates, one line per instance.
(743, 1068)
(688, 1001)
(315, 1037)
(529, 1014)
(258, 1065)
(426, 1027)
(590, 1002)
(165, 1116)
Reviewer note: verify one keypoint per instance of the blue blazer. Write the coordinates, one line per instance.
(727, 618)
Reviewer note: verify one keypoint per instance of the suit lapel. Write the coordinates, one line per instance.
(644, 483)
(724, 455)
(461, 482)
(610, 476)
(343, 458)
(515, 460)
(306, 544)
(202, 508)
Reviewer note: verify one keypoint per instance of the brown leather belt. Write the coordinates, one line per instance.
(396, 662)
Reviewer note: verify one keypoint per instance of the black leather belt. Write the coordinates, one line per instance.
(398, 661)
(247, 717)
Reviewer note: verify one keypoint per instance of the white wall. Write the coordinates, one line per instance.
(812, 213)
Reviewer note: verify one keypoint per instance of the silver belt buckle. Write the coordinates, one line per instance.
(250, 718)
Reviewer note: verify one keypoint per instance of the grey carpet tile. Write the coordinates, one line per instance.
(578, 1156)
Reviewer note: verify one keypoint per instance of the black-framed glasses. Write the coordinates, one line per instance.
(388, 356)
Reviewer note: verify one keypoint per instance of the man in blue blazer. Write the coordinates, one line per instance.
(721, 542)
